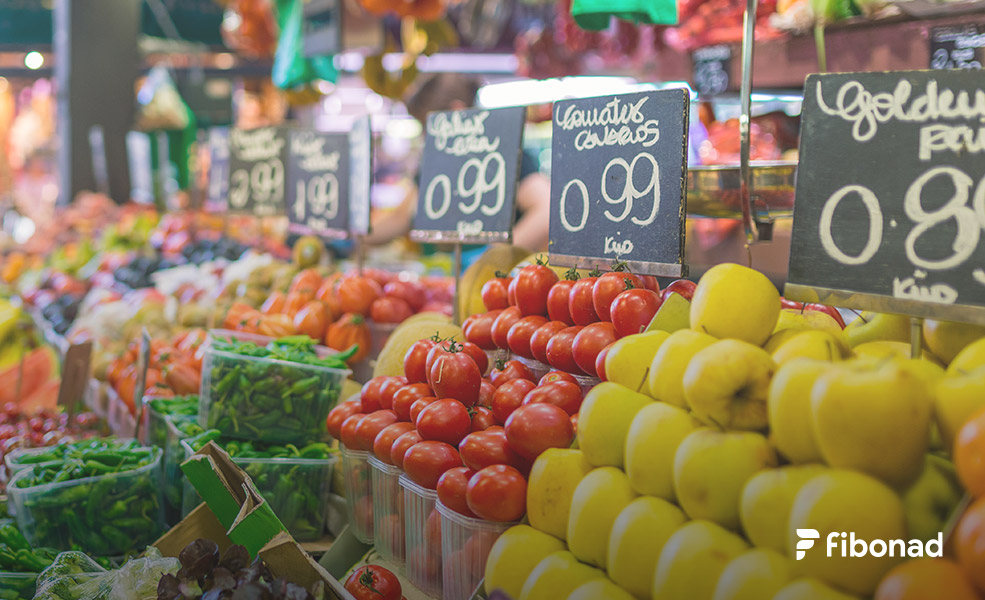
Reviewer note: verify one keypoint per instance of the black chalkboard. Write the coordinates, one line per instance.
(322, 27)
(257, 173)
(361, 175)
(469, 174)
(890, 206)
(318, 183)
(957, 47)
(618, 174)
(711, 69)
(216, 196)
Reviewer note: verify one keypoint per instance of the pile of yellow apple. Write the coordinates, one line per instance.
(730, 424)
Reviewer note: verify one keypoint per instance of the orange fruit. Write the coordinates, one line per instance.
(926, 578)
(969, 542)
(969, 455)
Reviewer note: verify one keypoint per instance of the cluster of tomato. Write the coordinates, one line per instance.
(334, 310)
(20, 429)
(174, 367)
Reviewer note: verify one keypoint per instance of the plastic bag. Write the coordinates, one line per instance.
(161, 106)
(291, 68)
(75, 576)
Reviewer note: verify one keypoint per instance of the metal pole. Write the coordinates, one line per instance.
(457, 266)
(745, 97)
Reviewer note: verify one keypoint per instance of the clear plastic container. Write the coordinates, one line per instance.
(251, 398)
(422, 534)
(358, 493)
(379, 333)
(174, 477)
(587, 382)
(536, 367)
(388, 511)
(465, 545)
(121, 422)
(296, 488)
(107, 515)
(154, 425)
(17, 586)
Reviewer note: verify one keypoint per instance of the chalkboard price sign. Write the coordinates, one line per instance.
(957, 47)
(318, 183)
(711, 69)
(256, 171)
(890, 205)
(618, 174)
(216, 198)
(469, 176)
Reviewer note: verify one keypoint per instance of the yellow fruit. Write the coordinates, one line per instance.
(947, 339)
(873, 326)
(673, 315)
(628, 360)
(656, 432)
(638, 535)
(755, 575)
(666, 379)
(767, 499)
(600, 589)
(956, 399)
(599, 498)
(391, 358)
(514, 555)
(806, 320)
(604, 420)
(497, 257)
(969, 359)
(819, 345)
(556, 576)
(732, 301)
(789, 404)
(552, 482)
(726, 385)
(692, 561)
(810, 589)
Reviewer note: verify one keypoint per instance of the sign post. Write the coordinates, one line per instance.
(469, 174)
(360, 182)
(618, 182)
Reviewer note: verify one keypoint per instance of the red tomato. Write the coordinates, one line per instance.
(274, 304)
(557, 301)
(553, 376)
(495, 292)
(370, 394)
(600, 363)
(347, 432)
(501, 326)
(589, 342)
(533, 283)
(633, 310)
(433, 354)
(356, 294)
(684, 287)
(452, 486)
(498, 493)
(407, 396)
(580, 305)
(312, 320)
(478, 356)
(533, 428)
(650, 282)
(541, 337)
(411, 292)
(425, 462)
(511, 292)
(386, 437)
(446, 420)
(559, 353)
(563, 394)
(509, 397)
(371, 426)
(608, 287)
(340, 413)
(486, 392)
(389, 309)
(400, 447)
(479, 330)
(518, 338)
(415, 360)
(455, 375)
(511, 369)
(373, 582)
(418, 406)
(482, 418)
(486, 448)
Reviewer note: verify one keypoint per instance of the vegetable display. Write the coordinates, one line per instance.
(278, 392)
(107, 501)
(159, 410)
(81, 450)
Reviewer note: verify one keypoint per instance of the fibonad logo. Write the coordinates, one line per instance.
(851, 546)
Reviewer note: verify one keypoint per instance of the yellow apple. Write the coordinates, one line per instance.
(873, 417)
(807, 320)
(969, 359)
(932, 498)
(819, 345)
(600, 589)
(710, 469)
(947, 339)
(598, 499)
(556, 576)
(604, 420)
(811, 589)
(956, 398)
(726, 383)
(838, 501)
(656, 432)
(666, 380)
(553, 479)
(732, 301)
(514, 555)
(789, 404)
(693, 559)
(767, 498)
(628, 360)
(872, 326)
(674, 314)
(754, 575)
(638, 534)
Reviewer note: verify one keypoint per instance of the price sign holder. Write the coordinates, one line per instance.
(890, 206)
(618, 182)
(469, 174)
(318, 183)
(75, 376)
(143, 363)
(257, 159)
(711, 67)
(360, 182)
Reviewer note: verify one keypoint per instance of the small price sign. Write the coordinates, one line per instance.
(957, 47)
(361, 176)
(469, 176)
(711, 69)
(216, 197)
(890, 205)
(618, 175)
(256, 171)
(318, 183)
